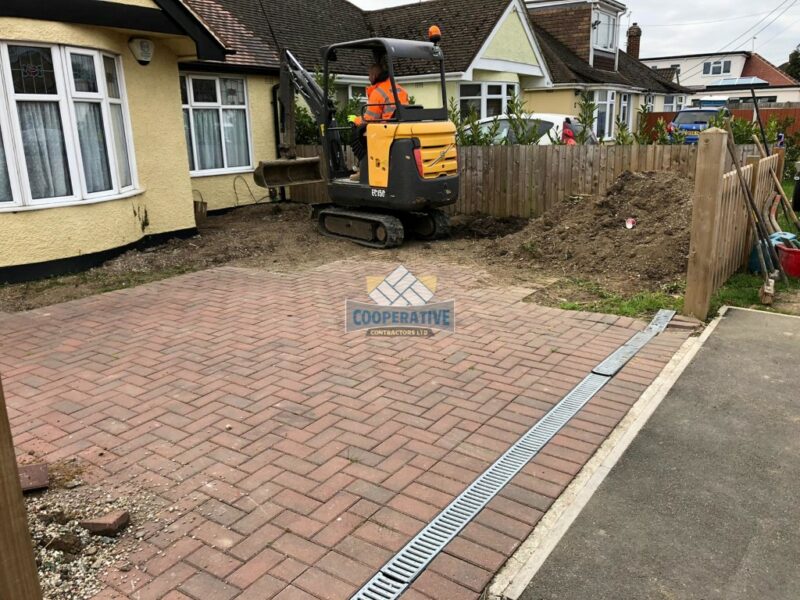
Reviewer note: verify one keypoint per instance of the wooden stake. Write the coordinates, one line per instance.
(706, 203)
(19, 578)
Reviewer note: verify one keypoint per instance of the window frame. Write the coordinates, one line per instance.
(191, 106)
(485, 96)
(625, 107)
(677, 104)
(66, 97)
(614, 27)
(610, 103)
(724, 66)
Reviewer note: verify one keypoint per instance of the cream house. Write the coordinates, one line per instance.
(92, 156)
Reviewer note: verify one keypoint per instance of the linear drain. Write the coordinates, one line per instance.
(395, 577)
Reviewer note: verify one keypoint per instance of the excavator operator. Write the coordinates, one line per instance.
(381, 103)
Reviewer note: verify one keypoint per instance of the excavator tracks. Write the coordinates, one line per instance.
(432, 225)
(368, 229)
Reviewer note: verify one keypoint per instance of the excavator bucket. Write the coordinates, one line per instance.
(285, 172)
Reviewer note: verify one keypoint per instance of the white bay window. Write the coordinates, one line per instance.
(216, 124)
(64, 131)
(486, 99)
(674, 103)
(604, 123)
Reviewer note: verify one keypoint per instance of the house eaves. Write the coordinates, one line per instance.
(171, 18)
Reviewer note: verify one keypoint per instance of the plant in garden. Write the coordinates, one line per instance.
(643, 134)
(521, 129)
(587, 115)
(305, 127)
(623, 137)
(468, 127)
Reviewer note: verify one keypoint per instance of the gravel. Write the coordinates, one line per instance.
(72, 561)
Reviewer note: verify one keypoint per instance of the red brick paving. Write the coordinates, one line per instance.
(298, 457)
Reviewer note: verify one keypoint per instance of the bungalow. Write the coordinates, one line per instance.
(92, 155)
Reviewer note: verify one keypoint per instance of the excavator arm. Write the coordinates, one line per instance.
(288, 169)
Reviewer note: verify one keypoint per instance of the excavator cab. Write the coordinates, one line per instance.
(406, 160)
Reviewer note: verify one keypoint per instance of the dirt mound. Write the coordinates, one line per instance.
(587, 237)
(475, 227)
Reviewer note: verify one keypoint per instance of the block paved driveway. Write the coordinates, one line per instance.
(296, 458)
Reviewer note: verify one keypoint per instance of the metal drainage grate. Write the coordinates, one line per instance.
(619, 358)
(395, 577)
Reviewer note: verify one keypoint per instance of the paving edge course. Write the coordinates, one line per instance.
(523, 565)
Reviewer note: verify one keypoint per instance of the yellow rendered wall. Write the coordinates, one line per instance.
(556, 101)
(511, 42)
(499, 76)
(154, 101)
(226, 191)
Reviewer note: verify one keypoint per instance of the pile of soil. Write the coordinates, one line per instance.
(586, 237)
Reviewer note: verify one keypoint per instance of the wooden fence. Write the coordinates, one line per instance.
(721, 236)
(525, 181)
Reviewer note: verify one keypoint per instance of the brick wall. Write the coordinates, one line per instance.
(572, 26)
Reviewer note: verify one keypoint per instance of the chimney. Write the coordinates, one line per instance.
(634, 38)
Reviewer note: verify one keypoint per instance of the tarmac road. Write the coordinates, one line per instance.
(705, 503)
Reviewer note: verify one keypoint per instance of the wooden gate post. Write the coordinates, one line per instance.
(19, 578)
(706, 203)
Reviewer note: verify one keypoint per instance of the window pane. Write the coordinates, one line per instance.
(237, 149)
(471, 106)
(94, 150)
(726, 66)
(494, 107)
(184, 95)
(112, 80)
(187, 130)
(470, 89)
(602, 115)
(32, 70)
(706, 68)
(602, 96)
(207, 136)
(204, 90)
(45, 152)
(5, 182)
(121, 146)
(83, 73)
(232, 91)
(494, 90)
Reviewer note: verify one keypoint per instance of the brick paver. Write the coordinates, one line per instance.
(297, 458)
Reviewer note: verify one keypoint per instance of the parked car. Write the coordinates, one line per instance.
(692, 121)
(548, 127)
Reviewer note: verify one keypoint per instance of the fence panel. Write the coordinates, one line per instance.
(525, 181)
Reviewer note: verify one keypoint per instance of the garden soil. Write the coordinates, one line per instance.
(587, 237)
(578, 240)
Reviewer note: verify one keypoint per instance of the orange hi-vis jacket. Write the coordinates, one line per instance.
(381, 103)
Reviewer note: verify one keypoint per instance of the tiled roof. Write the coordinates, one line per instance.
(465, 25)
(566, 67)
(758, 66)
(241, 25)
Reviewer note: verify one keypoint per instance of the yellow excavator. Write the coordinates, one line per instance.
(407, 164)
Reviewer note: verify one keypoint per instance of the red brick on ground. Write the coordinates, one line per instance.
(299, 458)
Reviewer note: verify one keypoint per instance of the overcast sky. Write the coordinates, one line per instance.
(695, 26)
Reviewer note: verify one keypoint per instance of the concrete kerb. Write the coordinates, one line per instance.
(523, 565)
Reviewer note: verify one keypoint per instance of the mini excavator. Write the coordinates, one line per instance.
(407, 164)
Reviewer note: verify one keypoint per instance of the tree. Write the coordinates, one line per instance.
(793, 66)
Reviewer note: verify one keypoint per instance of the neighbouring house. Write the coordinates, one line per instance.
(730, 75)
(92, 152)
(580, 43)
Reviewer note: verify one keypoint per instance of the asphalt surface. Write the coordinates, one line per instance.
(705, 503)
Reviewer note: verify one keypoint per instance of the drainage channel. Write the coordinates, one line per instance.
(401, 571)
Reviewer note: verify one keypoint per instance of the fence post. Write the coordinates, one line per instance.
(706, 203)
(19, 578)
